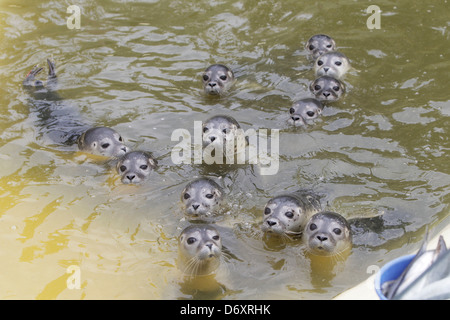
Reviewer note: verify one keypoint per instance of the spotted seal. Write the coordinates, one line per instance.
(199, 250)
(326, 88)
(319, 44)
(135, 167)
(334, 64)
(217, 79)
(287, 214)
(62, 124)
(304, 110)
(201, 198)
(327, 234)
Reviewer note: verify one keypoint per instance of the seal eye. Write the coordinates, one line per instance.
(191, 240)
(186, 196)
(310, 113)
(328, 45)
(313, 226)
(317, 87)
(205, 77)
(336, 88)
(144, 167)
(267, 211)
(291, 110)
(223, 77)
(337, 231)
(120, 139)
(320, 62)
(123, 168)
(289, 214)
(311, 47)
(105, 145)
(338, 63)
(209, 196)
(216, 237)
(205, 129)
(225, 130)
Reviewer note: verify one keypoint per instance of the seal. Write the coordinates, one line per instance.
(327, 234)
(326, 88)
(222, 134)
(304, 110)
(199, 250)
(135, 167)
(102, 141)
(62, 124)
(287, 214)
(217, 79)
(201, 198)
(319, 44)
(334, 64)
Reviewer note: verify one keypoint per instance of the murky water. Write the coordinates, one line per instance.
(136, 66)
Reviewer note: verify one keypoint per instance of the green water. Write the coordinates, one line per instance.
(136, 66)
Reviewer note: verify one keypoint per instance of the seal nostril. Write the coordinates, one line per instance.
(322, 238)
(296, 118)
(212, 139)
(131, 177)
(271, 223)
(212, 84)
(195, 206)
(326, 69)
(326, 94)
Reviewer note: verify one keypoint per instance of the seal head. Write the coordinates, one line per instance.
(333, 64)
(135, 167)
(319, 44)
(217, 79)
(199, 250)
(327, 234)
(304, 110)
(201, 198)
(326, 88)
(288, 214)
(102, 141)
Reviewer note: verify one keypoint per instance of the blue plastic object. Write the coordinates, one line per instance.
(391, 271)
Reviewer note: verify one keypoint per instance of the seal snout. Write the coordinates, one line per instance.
(322, 238)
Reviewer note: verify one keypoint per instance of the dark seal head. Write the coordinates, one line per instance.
(327, 234)
(217, 79)
(304, 111)
(102, 141)
(319, 44)
(135, 167)
(326, 88)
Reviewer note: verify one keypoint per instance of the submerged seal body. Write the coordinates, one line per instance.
(217, 79)
(334, 64)
(199, 250)
(288, 214)
(201, 198)
(327, 234)
(304, 110)
(135, 167)
(319, 44)
(62, 124)
(326, 88)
